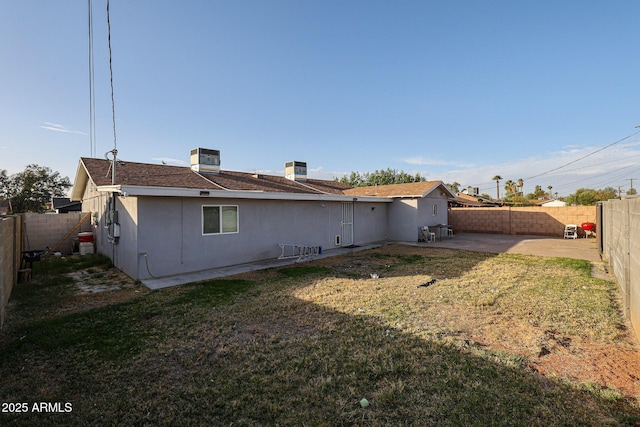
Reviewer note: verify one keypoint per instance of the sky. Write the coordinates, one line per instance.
(458, 91)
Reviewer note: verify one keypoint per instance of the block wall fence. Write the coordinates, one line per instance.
(10, 257)
(42, 230)
(32, 231)
(542, 221)
(621, 248)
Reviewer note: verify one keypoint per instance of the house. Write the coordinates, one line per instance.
(551, 203)
(415, 204)
(157, 220)
(65, 205)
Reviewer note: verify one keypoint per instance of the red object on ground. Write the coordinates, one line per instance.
(588, 226)
(85, 237)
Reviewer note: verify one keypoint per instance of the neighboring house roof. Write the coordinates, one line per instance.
(553, 203)
(466, 200)
(64, 204)
(412, 189)
(155, 177)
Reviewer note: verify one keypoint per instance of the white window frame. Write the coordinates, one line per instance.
(220, 224)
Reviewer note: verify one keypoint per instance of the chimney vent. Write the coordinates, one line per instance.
(295, 171)
(204, 160)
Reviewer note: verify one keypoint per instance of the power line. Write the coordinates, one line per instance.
(92, 93)
(113, 104)
(585, 156)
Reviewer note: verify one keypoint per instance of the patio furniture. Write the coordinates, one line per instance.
(444, 230)
(570, 231)
(424, 235)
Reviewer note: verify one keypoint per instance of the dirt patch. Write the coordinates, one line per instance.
(613, 366)
(91, 281)
(97, 287)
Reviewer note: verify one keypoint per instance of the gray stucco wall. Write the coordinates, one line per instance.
(407, 215)
(125, 253)
(370, 222)
(403, 220)
(425, 210)
(169, 231)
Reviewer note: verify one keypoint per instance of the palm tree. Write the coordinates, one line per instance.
(497, 179)
(509, 186)
(521, 184)
(550, 195)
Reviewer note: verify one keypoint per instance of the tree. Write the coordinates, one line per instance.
(379, 177)
(497, 179)
(632, 192)
(455, 187)
(549, 188)
(32, 189)
(589, 196)
(520, 184)
(510, 187)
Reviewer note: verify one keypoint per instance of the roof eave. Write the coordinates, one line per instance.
(80, 183)
(149, 191)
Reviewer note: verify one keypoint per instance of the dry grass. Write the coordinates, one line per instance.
(303, 345)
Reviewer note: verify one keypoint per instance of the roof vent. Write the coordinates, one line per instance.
(295, 171)
(204, 160)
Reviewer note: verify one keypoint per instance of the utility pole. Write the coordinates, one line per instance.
(631, 179)
(619, 191)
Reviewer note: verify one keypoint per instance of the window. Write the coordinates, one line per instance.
(219, 219)
(435, 209)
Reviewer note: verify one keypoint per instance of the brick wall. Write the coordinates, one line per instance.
(44, 230)
(621, 248)
(544, 221)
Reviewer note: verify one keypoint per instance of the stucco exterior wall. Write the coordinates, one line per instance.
(407, 215)
(544, 221)
(403, 220)
(370, 222)
(169, 232)
(125, 253)
(426, 214)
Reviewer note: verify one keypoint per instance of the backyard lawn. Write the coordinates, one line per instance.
(396, 336)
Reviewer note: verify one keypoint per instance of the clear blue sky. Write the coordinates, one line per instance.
(453, 90)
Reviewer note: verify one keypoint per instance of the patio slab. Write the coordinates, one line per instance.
(200, 276)
(580, 248)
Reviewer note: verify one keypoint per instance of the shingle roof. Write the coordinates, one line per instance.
(413, 189)
(153, 175)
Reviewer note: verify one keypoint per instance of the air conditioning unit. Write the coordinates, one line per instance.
(295, 171)
(204, 160)
(473, 191)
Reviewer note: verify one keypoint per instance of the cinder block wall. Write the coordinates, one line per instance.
(544, 221)
(44, 230)
(10, 253)
(621, 247)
